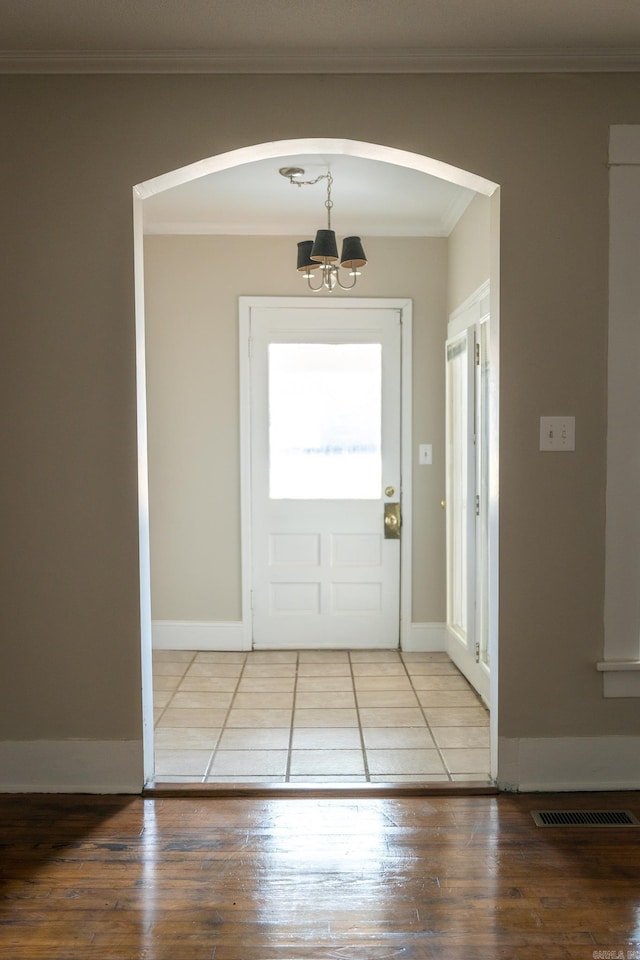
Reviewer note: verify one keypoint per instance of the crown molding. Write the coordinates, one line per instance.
(429, 230)
(331, 62)
(456, 208)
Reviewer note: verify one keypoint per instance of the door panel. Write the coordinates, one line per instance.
(467, 504)
(325, 445)
(460, 485)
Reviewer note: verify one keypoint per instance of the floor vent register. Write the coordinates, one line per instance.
(584, 818)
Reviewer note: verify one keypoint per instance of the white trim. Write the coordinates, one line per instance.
(353, 643)
(482, 305)
(471, 311)
(405, 306)
(425, 638)
(144, 554)
(622, 532)
(468, 316)
(406, 463)
(450, 217)
(494, 475)
(198, 635)
(398, 61)
(615, 666)
(568, 763)
(435, 228)
(71, 766)
(246, 567)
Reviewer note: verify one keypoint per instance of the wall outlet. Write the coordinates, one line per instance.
(557, 433)
(425, 454)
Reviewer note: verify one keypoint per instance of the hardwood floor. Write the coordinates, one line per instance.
(470, 878)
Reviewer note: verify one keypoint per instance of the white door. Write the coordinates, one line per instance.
(467, 504)
(325, 475)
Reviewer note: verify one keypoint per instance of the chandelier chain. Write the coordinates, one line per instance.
(329, 202)
(309, 183)
(321, 254)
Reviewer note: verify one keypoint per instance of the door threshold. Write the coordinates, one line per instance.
(463, 788)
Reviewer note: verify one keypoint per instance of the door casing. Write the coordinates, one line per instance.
(404, 306)
(465, 324)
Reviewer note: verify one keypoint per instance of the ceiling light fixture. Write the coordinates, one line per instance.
(321, 254)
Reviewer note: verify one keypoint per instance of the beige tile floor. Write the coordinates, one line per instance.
(313, 716)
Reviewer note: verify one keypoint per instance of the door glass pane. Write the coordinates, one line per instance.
(325, 421)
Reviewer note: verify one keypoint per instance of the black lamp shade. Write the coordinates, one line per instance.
(304, 256)
(325, 248)
(352, 253)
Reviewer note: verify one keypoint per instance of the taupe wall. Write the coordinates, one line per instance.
(469, 252)
(74, 146)
(192, 288)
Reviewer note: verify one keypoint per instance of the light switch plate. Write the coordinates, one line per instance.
(558, 433)
(425, 454)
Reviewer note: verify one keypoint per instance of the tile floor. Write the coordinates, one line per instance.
(313, 716)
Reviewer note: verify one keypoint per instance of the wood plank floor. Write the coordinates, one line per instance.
(414, 878)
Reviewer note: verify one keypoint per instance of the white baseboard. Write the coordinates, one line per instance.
(71, 766)
(425, 638)
(220, 635)
(116, 766)
(568, 763)
(197, 635)
(295, 644)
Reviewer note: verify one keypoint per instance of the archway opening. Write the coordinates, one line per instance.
(312, 150)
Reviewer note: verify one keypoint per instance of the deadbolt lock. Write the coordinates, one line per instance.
(392, 521)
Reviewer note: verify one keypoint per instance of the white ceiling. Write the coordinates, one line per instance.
(370, 198)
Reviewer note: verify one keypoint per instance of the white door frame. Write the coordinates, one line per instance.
(404, 306)
(470, 316)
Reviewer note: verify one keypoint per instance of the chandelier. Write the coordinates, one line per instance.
(318, 259)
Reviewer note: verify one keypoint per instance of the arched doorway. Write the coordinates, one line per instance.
(311, 148)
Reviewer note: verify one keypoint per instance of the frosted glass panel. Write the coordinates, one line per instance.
(325, 416)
